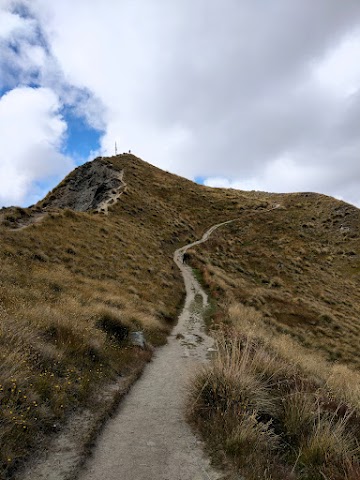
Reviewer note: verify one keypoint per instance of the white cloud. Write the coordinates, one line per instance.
(187, 84)
(31, 132)
(8, 23)
(21, 57)
(250, 90)
(339, 71)
(115, 51)
(283, 174)
(244, 184)
(288, 174)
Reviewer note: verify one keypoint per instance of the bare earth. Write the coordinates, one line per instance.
(149, 437)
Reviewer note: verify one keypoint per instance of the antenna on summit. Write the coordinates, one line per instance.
(116, 149)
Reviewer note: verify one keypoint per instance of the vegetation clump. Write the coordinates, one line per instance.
(276, 410)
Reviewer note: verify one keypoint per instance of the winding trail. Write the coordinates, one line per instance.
(149, 438)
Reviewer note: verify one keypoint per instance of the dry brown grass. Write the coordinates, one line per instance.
(287, 294)
(298, 266)
(273, 408)
(65, 314)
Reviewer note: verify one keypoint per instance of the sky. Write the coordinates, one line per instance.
(246, 94)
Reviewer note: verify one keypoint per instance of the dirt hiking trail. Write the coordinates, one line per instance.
(149, 438)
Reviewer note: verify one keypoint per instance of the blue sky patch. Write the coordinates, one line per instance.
(81, 138)
(4, 91)
(200, 180)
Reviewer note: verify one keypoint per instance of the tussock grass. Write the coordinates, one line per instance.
(273, 408)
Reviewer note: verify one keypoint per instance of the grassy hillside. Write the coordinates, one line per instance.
(281, 399)
(74, 284)
(298, 265)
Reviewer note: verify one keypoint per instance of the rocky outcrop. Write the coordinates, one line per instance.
(92, 186)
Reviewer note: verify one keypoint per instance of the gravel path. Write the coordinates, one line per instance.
(149, 438)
